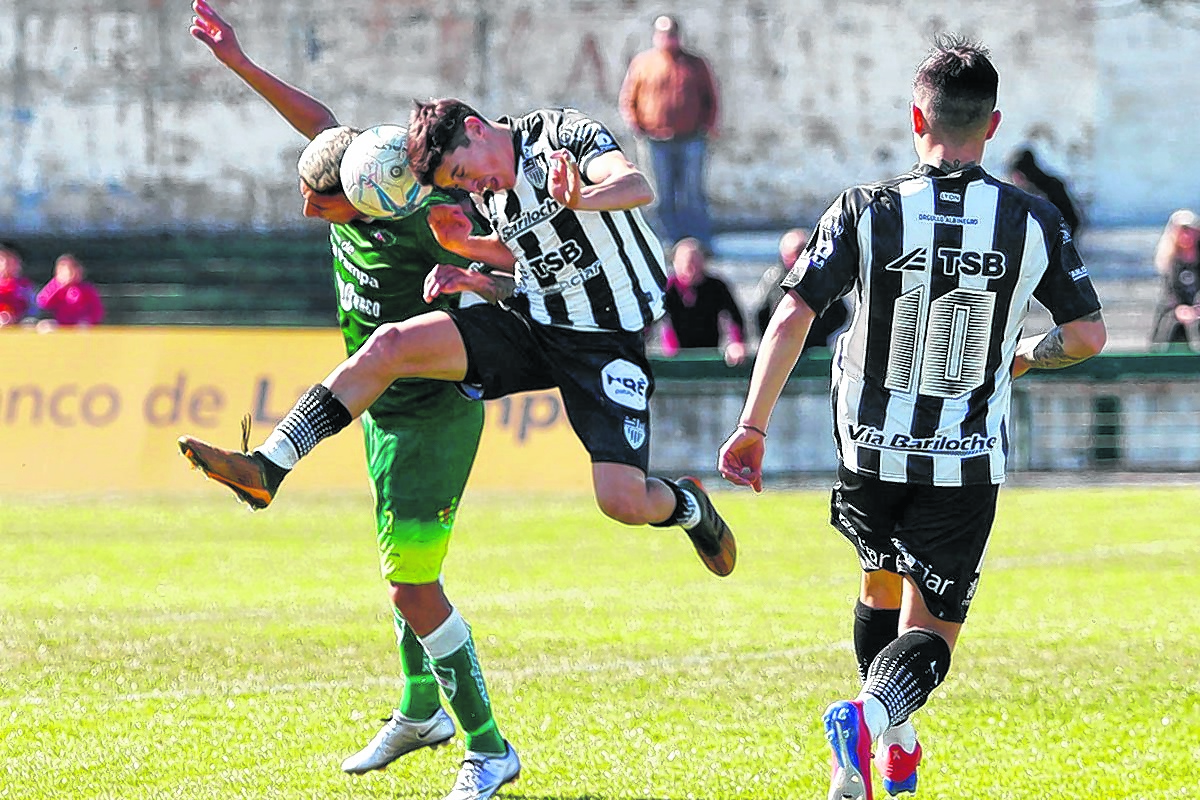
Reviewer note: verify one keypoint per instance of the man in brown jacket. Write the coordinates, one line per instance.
(669, 100)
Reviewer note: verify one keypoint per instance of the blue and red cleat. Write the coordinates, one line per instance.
(898, 768)
(850, 741)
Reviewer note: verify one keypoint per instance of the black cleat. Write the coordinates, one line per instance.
(712, 538)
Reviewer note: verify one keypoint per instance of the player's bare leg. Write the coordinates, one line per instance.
(627, 495)
(427, 346)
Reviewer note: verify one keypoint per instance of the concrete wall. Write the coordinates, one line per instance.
(112, 118)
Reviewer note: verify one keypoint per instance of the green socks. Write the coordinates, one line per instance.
(420, 697)
(456, 668)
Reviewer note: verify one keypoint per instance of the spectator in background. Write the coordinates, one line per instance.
(698, 306)
(16, 291)
(669, 100)
(68, 299)
(1177, 259)
(1025, 173)
(825, 327)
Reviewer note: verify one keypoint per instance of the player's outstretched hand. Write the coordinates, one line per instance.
(449, 225)
(741, 457)
(563, 182)
(448, 279)
(215, 33)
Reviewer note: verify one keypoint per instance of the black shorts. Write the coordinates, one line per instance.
(937, 535)
(604, 377)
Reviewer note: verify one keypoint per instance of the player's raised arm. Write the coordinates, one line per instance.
(613, 183)
(452, 229)
(302, 111)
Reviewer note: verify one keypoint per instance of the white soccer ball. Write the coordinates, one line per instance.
(375, 174)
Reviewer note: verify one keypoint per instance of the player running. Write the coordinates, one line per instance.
(382, 271)
(943, 262)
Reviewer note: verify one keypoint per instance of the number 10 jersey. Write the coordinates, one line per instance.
(943, 266)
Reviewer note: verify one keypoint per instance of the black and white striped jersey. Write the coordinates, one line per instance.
(943, 267)
(590, 270)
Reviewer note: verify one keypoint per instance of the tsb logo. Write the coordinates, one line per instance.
(625, 384)
(988, 263)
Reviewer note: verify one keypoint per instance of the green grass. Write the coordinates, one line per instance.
(163, 649)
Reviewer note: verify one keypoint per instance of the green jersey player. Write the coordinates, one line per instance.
(389, 271)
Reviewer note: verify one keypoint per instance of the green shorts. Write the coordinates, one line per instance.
(418, 470)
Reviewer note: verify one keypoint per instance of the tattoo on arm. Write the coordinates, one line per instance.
(1050, 351)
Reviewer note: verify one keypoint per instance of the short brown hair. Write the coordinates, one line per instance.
(434, 129)
(959, 83)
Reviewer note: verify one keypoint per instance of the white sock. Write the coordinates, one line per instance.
(875, 714)
(903, 734)
(279, 450)
(447, 638)
(691, 514)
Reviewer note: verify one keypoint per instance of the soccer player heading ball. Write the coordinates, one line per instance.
(564, 208)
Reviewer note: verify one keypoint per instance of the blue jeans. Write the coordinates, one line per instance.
(678, 166)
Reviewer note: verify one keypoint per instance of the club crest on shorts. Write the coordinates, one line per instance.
(534, 167)
(635, 432)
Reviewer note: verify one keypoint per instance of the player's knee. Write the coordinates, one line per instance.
(385, 350)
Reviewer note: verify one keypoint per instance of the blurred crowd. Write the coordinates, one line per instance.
(66, 299)
(669, 99)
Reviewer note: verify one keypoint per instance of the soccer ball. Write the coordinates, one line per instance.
(375, 174)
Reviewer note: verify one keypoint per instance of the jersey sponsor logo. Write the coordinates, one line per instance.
(950, 197)
(988, 263)
(635, 432)
(344, 252)
(575, 281)
(534, 216)
(351, 300)
(947, 219)
(554, 261)
(1078, 274)
(921, 572)
(917, 259)
(588, 132)
(625, 384)
(941, 445)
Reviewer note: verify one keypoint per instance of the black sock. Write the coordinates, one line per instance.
(273, 472)
(905, 672)
(874, 629)
(316, 416)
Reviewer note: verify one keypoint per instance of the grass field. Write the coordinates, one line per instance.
(172, 649)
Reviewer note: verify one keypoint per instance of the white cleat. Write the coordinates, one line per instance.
(398, 736)
(482, 774)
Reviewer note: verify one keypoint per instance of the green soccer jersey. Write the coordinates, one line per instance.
(379, 271)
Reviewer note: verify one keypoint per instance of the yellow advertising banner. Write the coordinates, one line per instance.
(100, 409)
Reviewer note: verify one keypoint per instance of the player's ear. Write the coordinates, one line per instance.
(993, 124)
(920, 125)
